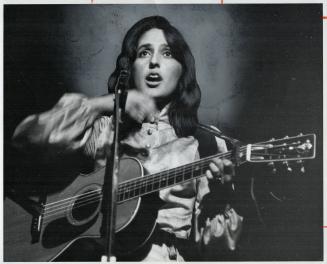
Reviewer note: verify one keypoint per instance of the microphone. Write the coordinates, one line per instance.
(124, 73)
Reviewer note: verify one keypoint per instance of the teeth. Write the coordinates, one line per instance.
(154, 75)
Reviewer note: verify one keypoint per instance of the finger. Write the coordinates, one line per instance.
(219, 163)
(209, 175)
(218, 225)
(226, 210)
(149, 116)
(152, 118)
(139, 117)
(215, 172)
(227, 162)
(214, 168)
(232, 220)
(229, 167)
(150, 110)
(147, 110)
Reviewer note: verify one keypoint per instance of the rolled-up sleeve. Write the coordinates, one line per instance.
(63, 129)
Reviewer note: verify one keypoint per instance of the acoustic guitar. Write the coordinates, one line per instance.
(41, 231)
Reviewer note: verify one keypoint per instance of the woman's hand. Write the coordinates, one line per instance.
(220, 169)
(140, 106)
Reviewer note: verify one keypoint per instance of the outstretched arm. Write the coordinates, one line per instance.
(68, 126)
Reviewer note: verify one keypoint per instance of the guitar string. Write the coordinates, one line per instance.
(131, 182)
(70, 204)
(123, 185)
(54, 204)
(49, 219)
(120, 192)
(99, 198)
(76, 205)
(134, 186)
(81, 197)
(80, 203)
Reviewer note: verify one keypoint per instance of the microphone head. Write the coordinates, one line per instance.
(124, 73)
(123, 64)
(122, 77)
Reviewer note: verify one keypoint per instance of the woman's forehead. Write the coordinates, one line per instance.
(153, 36)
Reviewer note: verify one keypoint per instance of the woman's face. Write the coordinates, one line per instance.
(155, 71)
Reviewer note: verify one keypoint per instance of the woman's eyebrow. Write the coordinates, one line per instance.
(165, 46)
(144, 46)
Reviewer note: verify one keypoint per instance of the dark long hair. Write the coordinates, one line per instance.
(185, 101)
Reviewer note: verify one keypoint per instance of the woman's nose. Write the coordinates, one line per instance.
(154, 61)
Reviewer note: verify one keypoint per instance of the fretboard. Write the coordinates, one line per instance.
(154, 182)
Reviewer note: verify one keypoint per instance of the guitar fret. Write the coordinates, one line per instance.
(196, 171)
(126, 192)
(192, 173)
(137, 191)
(134, 189)
(179, 176)
(143, 186)
(156, 184)
(163, 181)
(202, 168)
(121, 196)
(123, 193)
(171, 179)
(131, 190)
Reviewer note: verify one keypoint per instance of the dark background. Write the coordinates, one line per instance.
(260, 71)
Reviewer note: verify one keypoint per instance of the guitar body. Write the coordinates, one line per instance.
(66, 222)
(41, 232)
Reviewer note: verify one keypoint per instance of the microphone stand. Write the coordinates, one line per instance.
(109, 190)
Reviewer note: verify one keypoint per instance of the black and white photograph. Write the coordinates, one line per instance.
(163, 132)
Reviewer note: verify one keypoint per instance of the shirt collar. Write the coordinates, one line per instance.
(162, 116)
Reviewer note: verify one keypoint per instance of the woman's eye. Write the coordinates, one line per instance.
(167, 53)
(144, 53)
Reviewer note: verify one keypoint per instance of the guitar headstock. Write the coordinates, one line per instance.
(295, 148)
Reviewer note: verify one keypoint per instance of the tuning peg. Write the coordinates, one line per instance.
(273, 168)
(289, 169)
(272, 139)
(300, 162)
(286, 137)
(301, 134)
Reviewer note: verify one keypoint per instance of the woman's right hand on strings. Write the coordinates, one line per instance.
(140, 106)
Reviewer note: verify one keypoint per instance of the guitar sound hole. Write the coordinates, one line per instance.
(83, 208)
(86, 206)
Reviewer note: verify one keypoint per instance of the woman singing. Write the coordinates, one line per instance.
(161, 108)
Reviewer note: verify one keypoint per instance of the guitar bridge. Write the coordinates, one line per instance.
(36, 226)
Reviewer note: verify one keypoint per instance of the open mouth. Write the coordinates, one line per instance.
(153, 80)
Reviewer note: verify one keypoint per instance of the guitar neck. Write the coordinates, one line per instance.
(167, 178)
(286, 149)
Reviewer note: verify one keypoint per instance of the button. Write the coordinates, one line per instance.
(149, 132)
(148, 146)
(145, 153)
